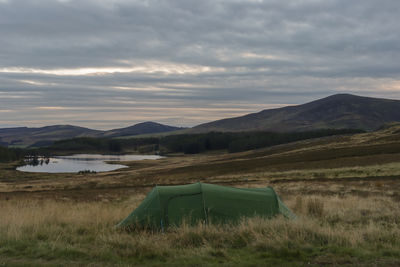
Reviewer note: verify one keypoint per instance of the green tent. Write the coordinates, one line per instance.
(170, 205)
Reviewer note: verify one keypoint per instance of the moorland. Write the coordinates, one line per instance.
(344, 190)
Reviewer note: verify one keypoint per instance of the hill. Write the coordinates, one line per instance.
(24, 136)
(141, 128)
(335, 112)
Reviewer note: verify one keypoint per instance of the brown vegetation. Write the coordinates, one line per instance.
(343, 189)
(349, 230)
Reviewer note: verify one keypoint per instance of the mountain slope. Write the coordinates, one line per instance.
(141, 128)
(24, 136)
(336, 111)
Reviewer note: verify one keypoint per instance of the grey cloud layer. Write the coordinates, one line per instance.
(258, 52)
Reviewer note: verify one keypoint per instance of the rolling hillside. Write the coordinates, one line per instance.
(344, 191)
(336, 112)
(140, 128)
(24, 136)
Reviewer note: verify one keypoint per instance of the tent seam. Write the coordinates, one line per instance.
(276, 197)
(159, 203)
(204, 204)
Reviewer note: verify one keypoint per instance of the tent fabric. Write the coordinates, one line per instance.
(207, 203)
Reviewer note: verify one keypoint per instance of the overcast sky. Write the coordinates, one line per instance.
(110, 64)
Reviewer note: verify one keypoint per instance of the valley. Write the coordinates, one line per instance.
(344, 190)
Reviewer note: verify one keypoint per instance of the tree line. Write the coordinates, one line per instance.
(11, 154)
(241, 141)
(187, 143)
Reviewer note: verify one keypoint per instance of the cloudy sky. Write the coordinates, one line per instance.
(113, 63)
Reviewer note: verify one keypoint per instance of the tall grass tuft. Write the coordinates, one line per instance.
(315, 207)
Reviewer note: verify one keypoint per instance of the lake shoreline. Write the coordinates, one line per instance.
(78, 163)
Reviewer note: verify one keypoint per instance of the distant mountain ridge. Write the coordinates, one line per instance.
(141, 128)
(24, 136)
(335, 112)
(341, 111)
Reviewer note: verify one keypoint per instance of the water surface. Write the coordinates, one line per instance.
(81, 162)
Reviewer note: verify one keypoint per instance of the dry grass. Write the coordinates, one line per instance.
(345, 192)
(359, 156)
(354, 229)
(381, 170)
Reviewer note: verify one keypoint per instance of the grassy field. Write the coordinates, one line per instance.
(329, 230)
(345, 191)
